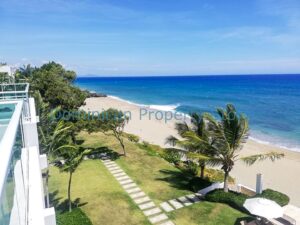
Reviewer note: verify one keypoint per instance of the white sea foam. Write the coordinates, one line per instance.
(171, 108)
(155, 107)
(290, 148)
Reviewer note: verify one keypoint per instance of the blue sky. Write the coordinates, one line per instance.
(153, 37)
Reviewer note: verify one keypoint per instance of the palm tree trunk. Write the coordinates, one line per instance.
(202, 170)
(47, 190)
(123, 147)
(226, 176)
(69, 192)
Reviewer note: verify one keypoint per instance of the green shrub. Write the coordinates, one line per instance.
(193, 168)
(172, 156)
(280, 198)
(233, 199)
(133, 138)
(76, 217)
(153, 150)
(146, 144)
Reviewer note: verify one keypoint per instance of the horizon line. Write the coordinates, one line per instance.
(199, 75)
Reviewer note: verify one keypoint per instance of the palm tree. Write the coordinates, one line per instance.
(228, 136)
(25, 72)
(51, 143)
(52, 134)
(72, 156)
(194, 138)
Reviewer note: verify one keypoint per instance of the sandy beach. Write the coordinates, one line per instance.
(147, 123)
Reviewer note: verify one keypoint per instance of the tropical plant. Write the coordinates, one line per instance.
(4, 78)
(51, 143)
(71, 156)
(24, 73)
(172, 155)
(227, 138)
(194, 138)
(111, 121)
(55, 85)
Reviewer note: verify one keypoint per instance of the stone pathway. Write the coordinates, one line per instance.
(150, 210)
(181, 202)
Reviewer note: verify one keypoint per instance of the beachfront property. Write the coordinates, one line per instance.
(149, 112)
(9, 71)
(96, 171)
(22, 190)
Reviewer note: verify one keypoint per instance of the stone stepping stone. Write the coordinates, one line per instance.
(109, 164)
(176, 204)
(122, 178)
(128, 186)
(185, 201)
(193, 198)
(120, 174)
(167, 223)
(158, 218)
(151, 212)
(141, 200)
(106, 160)
(147, 205)
(116, 171)
(138, 195)
(112, 166)
(200, 196)
(166, 207)
(133, 190)
(126, 181)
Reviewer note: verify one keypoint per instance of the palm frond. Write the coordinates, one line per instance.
(197, 156)
(171, 140)
(181, 127)
(250, 160)
(212, 161)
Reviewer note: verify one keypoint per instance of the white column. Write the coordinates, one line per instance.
(259, 183)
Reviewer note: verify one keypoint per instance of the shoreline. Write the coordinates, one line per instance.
(280, 175)
(172, 108)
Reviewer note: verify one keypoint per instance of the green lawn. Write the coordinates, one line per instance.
(207, 213)
(101, 197)
(105, 202)
(159, 179)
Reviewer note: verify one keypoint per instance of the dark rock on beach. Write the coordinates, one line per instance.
(95, 95)
(92, 94)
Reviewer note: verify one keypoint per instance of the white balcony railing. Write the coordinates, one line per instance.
(14, 91)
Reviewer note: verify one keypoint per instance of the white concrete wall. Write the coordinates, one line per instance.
(30, 126)
(37, 213)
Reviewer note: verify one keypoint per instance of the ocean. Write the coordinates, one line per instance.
(271, 102)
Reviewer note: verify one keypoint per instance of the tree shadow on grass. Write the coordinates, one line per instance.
(102, 152)
(184, 180)
(63, 206)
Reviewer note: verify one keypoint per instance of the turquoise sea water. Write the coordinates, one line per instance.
(271, 102)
